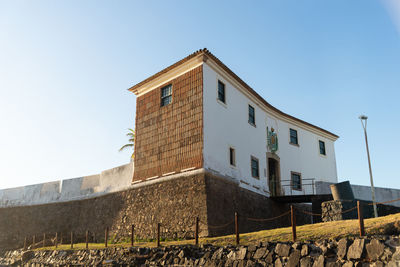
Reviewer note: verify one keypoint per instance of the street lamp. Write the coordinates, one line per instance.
(363, 119)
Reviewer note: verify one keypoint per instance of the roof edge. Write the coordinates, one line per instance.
(208, 54)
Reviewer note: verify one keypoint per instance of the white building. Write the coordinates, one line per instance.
(236, 124)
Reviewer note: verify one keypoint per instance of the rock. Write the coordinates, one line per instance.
(27, 255)
(181, 254)
(348, 264)
(342, 248)
(315, 251)
(294, 259)
(387, 254)
(305, 262)
(241, 254)
(278, 263)
(396, 256)
(377, 264)
(332, 263)
(392, 264)
(282, 250)
(319, 262)
(305, 250)
(260, 253)
(231, 255)
(375, 249)
(217, 254)
(270, 257)
(356, 250)
(252, 248)
(250, 263)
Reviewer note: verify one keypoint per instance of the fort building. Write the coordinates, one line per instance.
(207, 146)
(198, 114)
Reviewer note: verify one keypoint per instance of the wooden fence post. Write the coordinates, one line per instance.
(72, 239)
(158, 234)
(33, 241)
(132, 234)
(360, 218)
(106, 238)
(293, 220)
(196, 232)
(25, 243)
(56, 241)
(237, 228)
(87, 239)
(44, 240)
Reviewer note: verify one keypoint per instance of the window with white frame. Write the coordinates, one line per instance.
(221, 92)
(255, 169)
(166, 95)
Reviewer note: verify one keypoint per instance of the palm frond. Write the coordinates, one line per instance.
(125, 146)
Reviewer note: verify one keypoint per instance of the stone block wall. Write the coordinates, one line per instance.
(225, 197)
(170, 138)
(173, 202)
(336, 210)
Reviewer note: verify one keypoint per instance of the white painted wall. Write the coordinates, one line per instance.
(227, 125)
(363, 192)
(108, 181)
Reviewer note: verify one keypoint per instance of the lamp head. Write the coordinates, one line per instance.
(363, 117)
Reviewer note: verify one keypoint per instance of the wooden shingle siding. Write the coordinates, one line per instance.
(170, 138)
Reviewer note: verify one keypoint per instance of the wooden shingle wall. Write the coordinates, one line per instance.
(170, 138)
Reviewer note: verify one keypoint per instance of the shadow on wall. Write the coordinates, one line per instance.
(108, 181)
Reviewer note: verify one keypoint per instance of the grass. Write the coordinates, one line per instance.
(328, 230)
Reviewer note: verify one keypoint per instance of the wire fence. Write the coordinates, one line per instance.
(90, 237)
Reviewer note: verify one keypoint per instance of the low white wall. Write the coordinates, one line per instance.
(364, 192)
(112, 180)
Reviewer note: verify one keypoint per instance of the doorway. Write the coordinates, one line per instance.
(274, 179)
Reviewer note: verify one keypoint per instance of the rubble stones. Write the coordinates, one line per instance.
(361, 253)
(282, 249)
(342, 248)
(356, 249)
(375, 249)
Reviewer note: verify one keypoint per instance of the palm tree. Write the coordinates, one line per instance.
(131, 135)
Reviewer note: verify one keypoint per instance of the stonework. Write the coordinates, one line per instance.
(258, 254)
(170, 138)
(336, 210)
(174, 203)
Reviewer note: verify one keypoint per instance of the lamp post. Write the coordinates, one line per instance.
(363, 119)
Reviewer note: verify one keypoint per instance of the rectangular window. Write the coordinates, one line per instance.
(293, 137)
(254, 167)
(166, 95)
(232, 156)
(296, 181)
(322, 148)
(221, 91)
(252, 116)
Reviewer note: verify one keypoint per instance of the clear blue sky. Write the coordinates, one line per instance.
(65, 67)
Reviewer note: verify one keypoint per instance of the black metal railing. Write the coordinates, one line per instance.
(306, 186)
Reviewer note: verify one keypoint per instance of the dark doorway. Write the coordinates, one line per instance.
(274, 177)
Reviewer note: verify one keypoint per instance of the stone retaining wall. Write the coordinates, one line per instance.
(336, 210)
(174, 203)
(378, 252)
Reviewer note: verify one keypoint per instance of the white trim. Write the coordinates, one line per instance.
(188, 169)
(168, 173)
(153, 177)
(167, 77)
